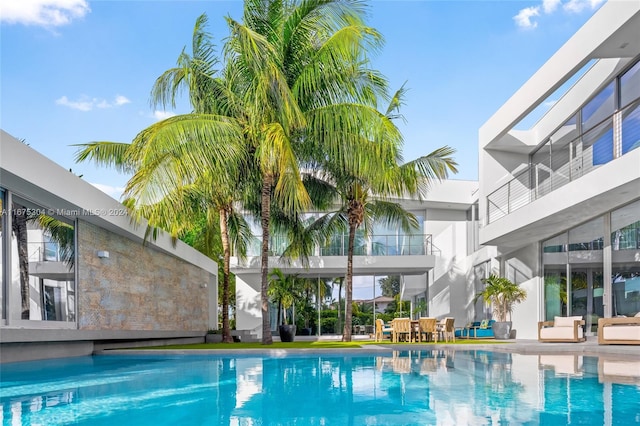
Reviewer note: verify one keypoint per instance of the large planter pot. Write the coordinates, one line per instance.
(287, 332)
(502, 330)
(213, 338)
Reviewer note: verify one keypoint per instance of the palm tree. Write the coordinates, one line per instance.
(296, 77)
(303, 75)
(186, 164)
(503, 294)
(362, 179)
(283, 290)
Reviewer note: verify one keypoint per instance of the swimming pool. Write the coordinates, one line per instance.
(390, 388)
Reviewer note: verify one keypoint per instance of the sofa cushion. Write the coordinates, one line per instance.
(559, 333)
(565, 321)
(637, 315)
(621, 332)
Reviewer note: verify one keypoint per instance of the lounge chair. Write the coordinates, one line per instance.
(561, 329)
(619, 331)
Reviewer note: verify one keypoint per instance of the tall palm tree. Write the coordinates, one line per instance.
(303, 74)
(189, 163)
(364, 178)
(296, 76)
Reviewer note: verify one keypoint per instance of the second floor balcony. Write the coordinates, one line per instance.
(372, 245)
(559, 163)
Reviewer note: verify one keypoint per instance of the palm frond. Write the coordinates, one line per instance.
(104, 153)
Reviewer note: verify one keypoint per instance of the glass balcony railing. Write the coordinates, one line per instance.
(610, 139)
(374, 245)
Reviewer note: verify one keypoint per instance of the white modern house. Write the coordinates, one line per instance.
(76, 274)
(560, 200)
(556, 208)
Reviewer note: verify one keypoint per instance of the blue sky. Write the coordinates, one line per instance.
(76, 71)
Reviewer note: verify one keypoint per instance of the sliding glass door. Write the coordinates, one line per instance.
(586, 290)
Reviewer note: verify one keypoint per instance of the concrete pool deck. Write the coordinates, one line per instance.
(526, 347)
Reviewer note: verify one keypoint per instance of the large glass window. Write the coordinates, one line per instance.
(631, 128)
(561, 144)
(2, 251)
(625, 245)
(630, 86)
(541, 161)
(625, 228)
(555, 291)
(597, 146)
(480, 272)
(600, 107)
(588, 236)
(574, 267)
(42, 264)
(555, 258)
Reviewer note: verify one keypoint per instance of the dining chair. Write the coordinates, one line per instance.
(382, 330)
(401, 329)
(448, 329)
(428, 329)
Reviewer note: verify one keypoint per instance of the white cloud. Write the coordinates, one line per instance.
(113, 191)
(45, 13)
(523, 18)
(577, 6)
(84, 103)
(550, 6)
(121, 100)
(162, 115)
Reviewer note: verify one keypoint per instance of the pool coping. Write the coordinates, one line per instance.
(523, 347)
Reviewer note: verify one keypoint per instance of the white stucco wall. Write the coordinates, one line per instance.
(248, 305)
(522, 267)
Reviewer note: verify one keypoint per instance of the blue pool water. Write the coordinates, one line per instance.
(399, 388)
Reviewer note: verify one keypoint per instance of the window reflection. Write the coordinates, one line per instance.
(2, 251)
(630, 85)
(625, 271)
(42, 264)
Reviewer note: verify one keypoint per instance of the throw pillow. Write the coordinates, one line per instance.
(565, 321)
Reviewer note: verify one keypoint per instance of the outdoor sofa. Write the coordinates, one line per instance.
(619, 330)
(562, 329)
(477, 330)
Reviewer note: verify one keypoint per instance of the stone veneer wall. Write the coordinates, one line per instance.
(137, 287)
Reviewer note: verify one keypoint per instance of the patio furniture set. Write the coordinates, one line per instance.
(424, 329)
(617, 331)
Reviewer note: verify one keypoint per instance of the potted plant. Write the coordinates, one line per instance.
(503, 296)
(283, 291)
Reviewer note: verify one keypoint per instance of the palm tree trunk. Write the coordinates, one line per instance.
(264, 264)
(19, 226)
(340, 323)
(224, 234)
(346, 334)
